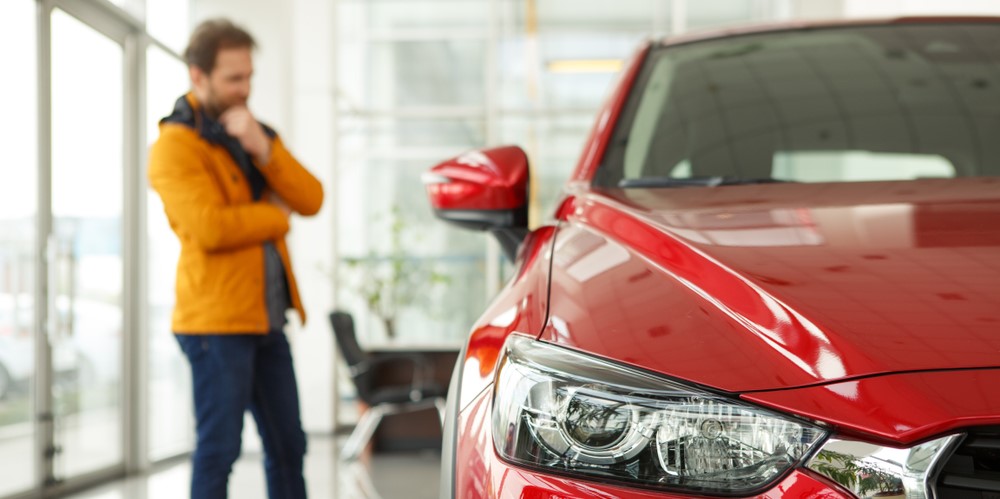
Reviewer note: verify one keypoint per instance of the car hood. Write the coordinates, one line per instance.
(902, 408)
(777, 286)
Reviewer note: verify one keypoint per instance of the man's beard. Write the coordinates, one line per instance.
(212, 110)
(214, 106)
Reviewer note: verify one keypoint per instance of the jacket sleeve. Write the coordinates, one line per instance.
(195, 203)
(296, 186)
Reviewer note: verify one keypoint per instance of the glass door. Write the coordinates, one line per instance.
(18, 247)
(86, 254)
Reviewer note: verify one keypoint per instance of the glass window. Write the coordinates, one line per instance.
(840, 104)
(435, 272)
(413, 91)
(87, 197)
(133, 7)
(568, 15)
(872, 10)
(169, 376)
(392, 16)
(18, 212)
(423, 73)
(553, 145)
(561, 71)
(856, 166)
(429, 137)
(716, 13)
(169, 22)
(166, 81)
(554, 55)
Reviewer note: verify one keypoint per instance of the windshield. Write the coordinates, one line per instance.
(893, 102)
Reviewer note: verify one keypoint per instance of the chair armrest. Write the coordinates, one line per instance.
(360, 368)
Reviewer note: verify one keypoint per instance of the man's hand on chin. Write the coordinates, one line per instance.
(241, 124)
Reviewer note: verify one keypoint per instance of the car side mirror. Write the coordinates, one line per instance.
(485, 190)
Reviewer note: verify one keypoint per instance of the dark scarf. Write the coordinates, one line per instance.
(213, 132)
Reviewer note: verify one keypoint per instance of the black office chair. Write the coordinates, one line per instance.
(421, 393)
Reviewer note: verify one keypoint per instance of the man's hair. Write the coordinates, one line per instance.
(210, 37)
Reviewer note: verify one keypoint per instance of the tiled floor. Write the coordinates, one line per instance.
(384, 476)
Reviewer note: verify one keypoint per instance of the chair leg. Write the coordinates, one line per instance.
(441, 405)
(362, 433)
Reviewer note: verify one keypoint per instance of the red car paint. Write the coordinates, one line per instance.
(792, 276)
(897, 408)
(473, 181)
(521, 307)
(870, 307)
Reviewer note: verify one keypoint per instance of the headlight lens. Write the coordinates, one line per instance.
(567, 411)
(871, 470)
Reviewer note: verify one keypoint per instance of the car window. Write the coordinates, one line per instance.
(896, 102)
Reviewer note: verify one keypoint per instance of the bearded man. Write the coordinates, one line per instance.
(229, 186)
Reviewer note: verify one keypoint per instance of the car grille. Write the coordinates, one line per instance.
(973, 470)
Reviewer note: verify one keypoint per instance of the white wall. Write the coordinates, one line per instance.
(882, 8)
(293, 92)
(832, 9)
(270, 23)
(816, 9)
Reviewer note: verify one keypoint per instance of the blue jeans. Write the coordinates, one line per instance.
(233, 373)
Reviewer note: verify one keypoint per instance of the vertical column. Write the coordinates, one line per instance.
(312, 97)
(492, 105)
(136, 347)
(44, 446)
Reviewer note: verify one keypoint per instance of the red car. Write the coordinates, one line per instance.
(775, 272)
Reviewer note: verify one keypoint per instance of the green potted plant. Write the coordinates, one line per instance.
(390, 281)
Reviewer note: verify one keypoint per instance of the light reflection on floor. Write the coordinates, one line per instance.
(384, 476)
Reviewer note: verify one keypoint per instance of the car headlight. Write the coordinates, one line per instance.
(568, 412)
(871, 470)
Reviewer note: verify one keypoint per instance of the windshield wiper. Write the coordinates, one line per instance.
(648, 182)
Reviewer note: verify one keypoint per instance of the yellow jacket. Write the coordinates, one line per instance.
(208, 201)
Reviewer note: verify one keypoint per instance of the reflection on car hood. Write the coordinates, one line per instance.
(775, 286)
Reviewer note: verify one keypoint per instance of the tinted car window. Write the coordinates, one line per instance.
(824, 105)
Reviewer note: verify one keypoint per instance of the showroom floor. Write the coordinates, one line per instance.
(385, 476)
